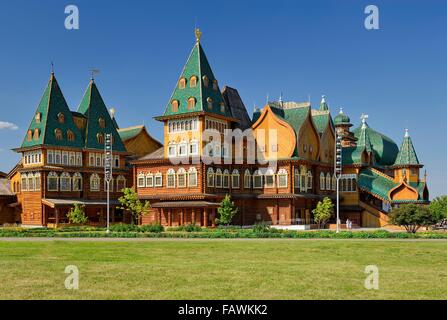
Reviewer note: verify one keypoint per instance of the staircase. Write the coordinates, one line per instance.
(379, 216)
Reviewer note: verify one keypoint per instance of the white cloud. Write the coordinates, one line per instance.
(8, 125)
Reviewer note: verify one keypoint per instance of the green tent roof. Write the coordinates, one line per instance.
(407, 154)
(375, 183)
(93, 107)
(321, 120)
(197, 65)
(50, 109)
(129, 133)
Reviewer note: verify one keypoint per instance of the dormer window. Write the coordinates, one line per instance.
(193, 82)
(61, 117)
(70, 135)
(182, 83)
(222, 107)
(205, 81)
(58, 134)
(100, 138)
(209, 103)
(38, 117)
(191, 103)
(36, 134)
(215, 85)
(102, 123)
(174, 105)
(29, 135)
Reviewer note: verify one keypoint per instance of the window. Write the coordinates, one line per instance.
(77, 182)
(226, 178)
(53, 181)
(183, 149)
(31, 182)
(36, 134)
(38, 117)
(181, 178)
(58, 134)
(95, 182)
(141, 180)
(182, 83)
(194, 148)
(210, 177)
(117, 162)
(215, 85)
(57, 157)
(79, 159)
(70, 135)
(222, 107)
(92, 160)
(98, 159)
(65, 158)
(158, 182)
(257, 180)
(61, 117)
(37, 181)
(309, 180)
(303, 187)
(209, 102)
(193, 82)
(72, 160)
(269, 179)
(322, 181)
(304, 148)
(206, 81)
(102, 123)
(50, 156)
(218, 178)
(174, 105)
(29, 135)
(191, 103)
(296, 181)
(192, 177)
(65, 182)
(235, 179)
(100, 138)
(282, 178)
(170, 178)
(120, 183)
(24, 183)
(172, 150)
(247, 179)
(328, 181)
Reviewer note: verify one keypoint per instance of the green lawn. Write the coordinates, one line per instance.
(224, 269)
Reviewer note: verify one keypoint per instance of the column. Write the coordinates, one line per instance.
(170, 217)
(193, 216)
(213, 218)
(205, 218)
(277, 212)
(161, 213)
(57, 216)
(182, 216)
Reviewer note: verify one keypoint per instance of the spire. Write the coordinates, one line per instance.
(364, 138)
(363, 117)
(323, 104)
(197, 89)
(99, 120)
(407, 155)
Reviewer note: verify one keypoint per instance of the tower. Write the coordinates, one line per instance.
(407, 166)
(342, 125)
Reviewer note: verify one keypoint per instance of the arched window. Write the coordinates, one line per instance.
(349, 185)
(149, 180)
(209, 103)
(70, 135)
(218, 178)
(215, 85)
(181, 178)
(354, 184)
(296, 178)
(53, 181)
(100, 138)
(193, 82)
(37, 181)
(282, 178)
(328, 181)
(174, 105)
(192, 177)
(210, 177)
(322, 181)
(269, 179)
(257, 180)
(31, 182)
(158, 180)
(36, 134)
(95, 182)
(38, 117)
(141, 181)
(309, 180)
(29, 135)
(247, 179)
(58, 134)
(226, 179)
(24, 182)
(120, 183)
(205, 81)
(235, 178)
(170, 178)
(182, 83)
(65, 182)
(77, 182)
(191, 103)
(61, 117)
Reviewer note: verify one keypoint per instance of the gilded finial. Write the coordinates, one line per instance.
(198, 34)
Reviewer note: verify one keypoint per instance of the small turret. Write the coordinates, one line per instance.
(342, 125)
(406, 167)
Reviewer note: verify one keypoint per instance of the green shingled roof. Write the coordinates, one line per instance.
(321, 120)
(129, 133)
(197, 65)
(375, 184)
(407, 154)
(93, 107)
(51, 106)
(342, 119)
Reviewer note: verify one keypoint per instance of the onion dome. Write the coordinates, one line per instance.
(342, 119)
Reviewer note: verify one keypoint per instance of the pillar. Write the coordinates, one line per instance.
(213, 218)
(57, 216)
(193, 216)
(277, 212)
(170, 217)
(205, 218)
(161, 213)
(182, 216)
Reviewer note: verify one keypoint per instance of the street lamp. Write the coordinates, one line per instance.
(108, 172)
(337, 172)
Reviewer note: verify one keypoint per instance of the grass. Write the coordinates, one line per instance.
(224, 269)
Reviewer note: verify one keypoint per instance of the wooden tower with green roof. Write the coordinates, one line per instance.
(406, 166)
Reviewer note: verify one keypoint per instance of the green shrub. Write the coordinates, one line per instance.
(122, 227)
(187, 228)
(154, 228)
(261, 227)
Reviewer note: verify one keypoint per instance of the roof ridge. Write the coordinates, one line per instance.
(381, 174)
(132, 128)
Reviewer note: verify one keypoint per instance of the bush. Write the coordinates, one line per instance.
(412, 217)
(261, 227)
(77, 214)
(154, 228)
(187, 228)
(121, 227)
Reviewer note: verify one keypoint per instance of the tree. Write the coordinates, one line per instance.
(438, 208)
(323, 212)
(76, 215)
(227, 211)
(412, 217)
(129, 201)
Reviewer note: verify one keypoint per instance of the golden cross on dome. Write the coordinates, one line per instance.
(198, 34)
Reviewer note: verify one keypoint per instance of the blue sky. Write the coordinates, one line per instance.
(396, 75)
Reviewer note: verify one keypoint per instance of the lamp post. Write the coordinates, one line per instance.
(337, 173)
(108, 172)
